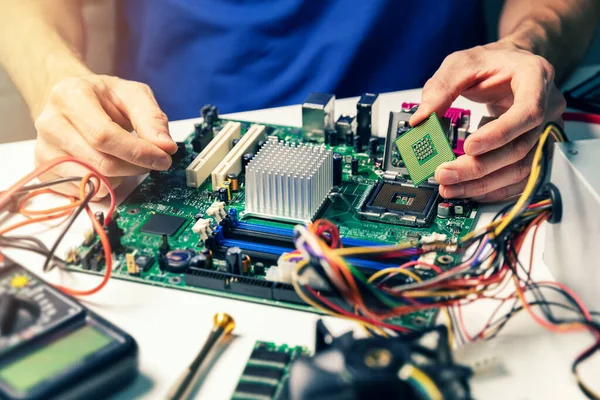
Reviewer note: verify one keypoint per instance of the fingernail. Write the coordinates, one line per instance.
(474, 148)
(161, 163)
(454, 191)
(165, 137)
(446, 176)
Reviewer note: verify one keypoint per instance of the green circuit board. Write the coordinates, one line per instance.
(266, 374)
(166, 193)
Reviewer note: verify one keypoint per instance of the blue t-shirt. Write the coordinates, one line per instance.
(249, 54)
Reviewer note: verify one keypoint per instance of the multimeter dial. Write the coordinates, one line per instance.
(17, 313)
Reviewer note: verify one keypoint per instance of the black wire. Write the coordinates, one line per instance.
(46, 184)
(78, 211)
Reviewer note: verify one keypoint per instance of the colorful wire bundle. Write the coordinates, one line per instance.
(71, 210)
(493, 265)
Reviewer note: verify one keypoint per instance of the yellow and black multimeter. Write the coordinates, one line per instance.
(51, 346)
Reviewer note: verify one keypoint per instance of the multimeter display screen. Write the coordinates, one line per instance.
(27, 372)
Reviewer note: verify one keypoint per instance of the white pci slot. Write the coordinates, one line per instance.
(232, 163)
(197, 172)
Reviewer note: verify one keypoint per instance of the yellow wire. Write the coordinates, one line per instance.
(307, 300)
(344, 251)
(396, 270)
(450, 326)
(409, 371)
(531, 182)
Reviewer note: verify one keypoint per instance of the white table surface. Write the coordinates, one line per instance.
(171, 325)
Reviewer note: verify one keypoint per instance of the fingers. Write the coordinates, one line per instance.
(497, 180)
(504, 193)
(54, 130)
(138, 104)
(44, 153)
(468, 168)
(456, 74)
(78, 100)
(531, 85)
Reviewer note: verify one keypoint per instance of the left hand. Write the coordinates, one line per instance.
(519, 89)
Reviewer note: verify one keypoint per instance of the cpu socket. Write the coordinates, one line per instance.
(401, 204)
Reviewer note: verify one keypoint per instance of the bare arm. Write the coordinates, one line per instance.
(41, 43)
(76, 112)
(558, 30)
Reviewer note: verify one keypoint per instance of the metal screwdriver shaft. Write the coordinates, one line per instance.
(223, 324)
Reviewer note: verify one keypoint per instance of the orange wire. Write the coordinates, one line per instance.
(29, 213)
(105, 245)
(66, 210)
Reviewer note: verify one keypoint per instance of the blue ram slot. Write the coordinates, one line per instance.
(289, 233)
(277, 250)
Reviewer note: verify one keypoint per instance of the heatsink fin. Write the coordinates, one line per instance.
(288, 181)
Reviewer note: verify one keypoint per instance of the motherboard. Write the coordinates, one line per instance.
(218, 221)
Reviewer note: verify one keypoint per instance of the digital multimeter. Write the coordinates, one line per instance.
(51, 346)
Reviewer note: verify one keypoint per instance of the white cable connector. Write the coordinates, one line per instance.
(202, 227)
(217, 211)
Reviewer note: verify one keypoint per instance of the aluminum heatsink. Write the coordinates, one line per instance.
(288, 181)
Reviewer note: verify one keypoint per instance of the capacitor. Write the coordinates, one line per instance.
(164, 245)
(199, 261)
(246, 158)
(354, 166)
(227, 186)
(349, 139)
(261, 143)
(198, 129)
(337, 169)
(233, 260)
(100, 217)
(331, 137)
(235, 183)
(209, 258)
(444, 210)
(378, 162)
(223, 195)
(198, 215)
(176, 261)
(358, 144)
(246, 262)
(234, 142)
(373, 146)
(258, 269)
(181, 151)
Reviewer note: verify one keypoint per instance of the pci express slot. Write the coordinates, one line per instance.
(232, 163)
(218, 148)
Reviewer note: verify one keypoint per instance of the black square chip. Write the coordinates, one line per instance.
(162, 224)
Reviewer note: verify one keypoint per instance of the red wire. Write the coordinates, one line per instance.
(353, 316)
(6, 195)
(581, 117)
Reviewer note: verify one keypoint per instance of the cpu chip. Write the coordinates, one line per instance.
(424, 148)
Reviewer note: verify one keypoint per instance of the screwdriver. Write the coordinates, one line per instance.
(223, 324)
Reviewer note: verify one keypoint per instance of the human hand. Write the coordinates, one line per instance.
(90, 117)
(518, 87)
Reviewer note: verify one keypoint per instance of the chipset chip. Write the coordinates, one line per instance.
(424, 148)
(162, 224)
